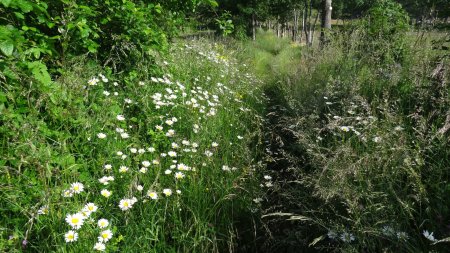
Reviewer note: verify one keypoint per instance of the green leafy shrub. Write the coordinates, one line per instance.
(386, 25)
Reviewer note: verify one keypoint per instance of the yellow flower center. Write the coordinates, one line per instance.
(70, 236)
(125, 204)
(75, 220)
(105, 235)
(76, 188)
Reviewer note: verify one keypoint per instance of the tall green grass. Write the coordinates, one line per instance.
(189, 190)
(270, 56)
(367, 156)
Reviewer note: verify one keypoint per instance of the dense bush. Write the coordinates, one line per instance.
(385, 27)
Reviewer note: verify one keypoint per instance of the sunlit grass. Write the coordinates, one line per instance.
(147, 161)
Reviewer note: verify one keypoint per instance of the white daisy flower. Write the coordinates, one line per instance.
(43, 210)
(90, 207)
(267, 177)
(105, 236)
(93, 81)
(152, 194)
(75, 220)
(100, 246)
(170, 133)
(103, 223)
(125, 204)
(77, 187)
(167, 192)
(101, 135)
(105, 193)
(71, 236)
(123, 169)
(67, 193)
(179, 175)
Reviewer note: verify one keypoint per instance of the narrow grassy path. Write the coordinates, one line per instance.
(284, 158)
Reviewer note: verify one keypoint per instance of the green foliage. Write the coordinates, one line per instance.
(118, 33)
(225, 24)
(385, 28)
(386, 19)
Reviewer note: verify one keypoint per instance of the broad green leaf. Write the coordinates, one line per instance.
(93, 48)
(39, 71)
(9, 73)
(24, 5)
(7, 47)
(2, 97)
(19, 15)
(6, 2)
(213, 3)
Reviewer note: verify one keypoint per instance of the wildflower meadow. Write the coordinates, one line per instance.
(224, 126)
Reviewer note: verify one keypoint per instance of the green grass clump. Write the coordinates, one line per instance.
(271, 57)
(161, 152)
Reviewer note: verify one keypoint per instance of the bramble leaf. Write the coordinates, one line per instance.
(7, 47)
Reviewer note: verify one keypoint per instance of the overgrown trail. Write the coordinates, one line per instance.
(284, 157)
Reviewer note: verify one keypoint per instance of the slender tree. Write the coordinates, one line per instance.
(326, 19)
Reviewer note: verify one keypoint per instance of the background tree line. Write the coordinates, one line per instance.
(285, 17)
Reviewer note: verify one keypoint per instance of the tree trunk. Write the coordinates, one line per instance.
(326, 20)
(253, 27)
(295, 29)
(278, 30)
(313, 30)
(303, 25)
